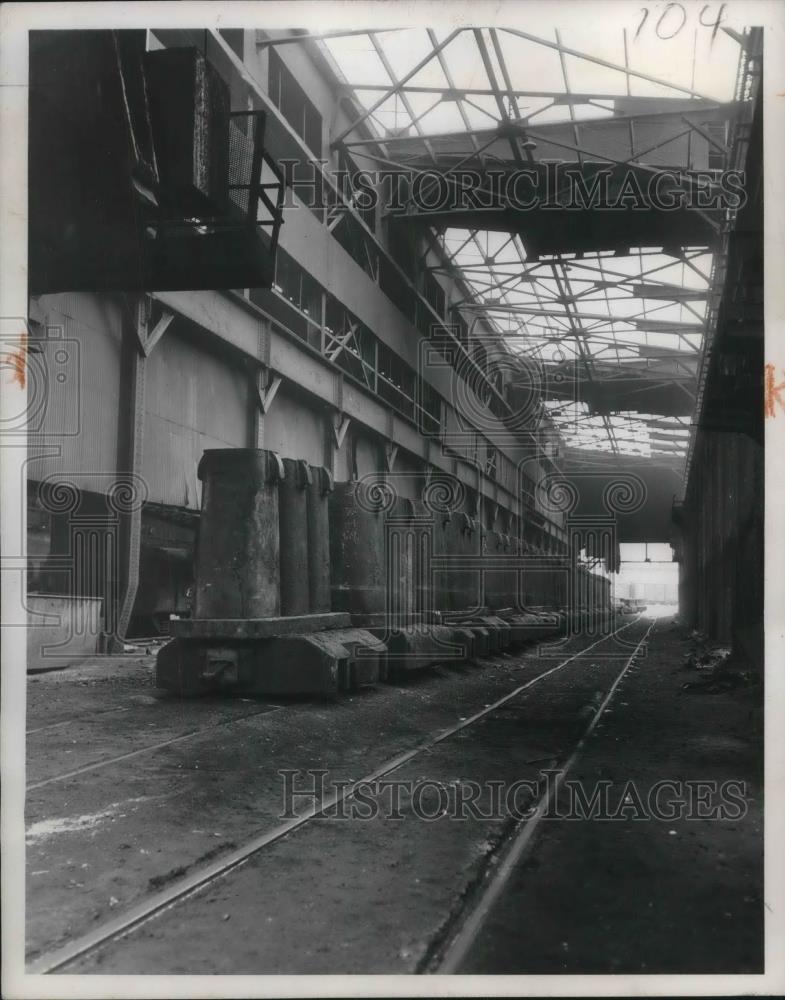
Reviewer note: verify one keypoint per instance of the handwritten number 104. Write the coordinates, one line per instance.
(674, 17)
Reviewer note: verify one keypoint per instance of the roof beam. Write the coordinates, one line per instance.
(557, 96)
(608, 65)
(650, 325)
(396, 88)
(653, 290)
(262, 43)
(568, 98)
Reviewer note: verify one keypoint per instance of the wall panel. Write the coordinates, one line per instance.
(294, 429)
(195, 399)
(74, 387)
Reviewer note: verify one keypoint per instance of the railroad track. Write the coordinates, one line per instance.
(69, 722)
(269, 709)
(157, 904)
(449, 958)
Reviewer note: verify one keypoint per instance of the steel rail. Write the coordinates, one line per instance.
(149, 748)
(520, 840)
(160, 902)
(73, 720)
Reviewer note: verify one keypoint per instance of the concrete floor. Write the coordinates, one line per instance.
(129, 793)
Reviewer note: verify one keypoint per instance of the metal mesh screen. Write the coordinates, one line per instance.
(242, 129)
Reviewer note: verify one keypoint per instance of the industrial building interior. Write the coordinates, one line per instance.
(343, 461)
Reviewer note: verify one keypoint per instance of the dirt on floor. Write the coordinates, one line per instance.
(158, 787)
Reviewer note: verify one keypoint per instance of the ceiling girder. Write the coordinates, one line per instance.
(561, 316)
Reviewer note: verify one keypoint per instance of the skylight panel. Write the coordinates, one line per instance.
(405, 49)
(613, 306)
(358, 60)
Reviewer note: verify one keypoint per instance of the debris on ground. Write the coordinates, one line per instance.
(706, 658)
(718, 669)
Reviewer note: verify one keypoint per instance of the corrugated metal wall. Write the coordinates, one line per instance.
(368, 455)
(74, 387)
(408, 477)
(294, 429)
(195, 399)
